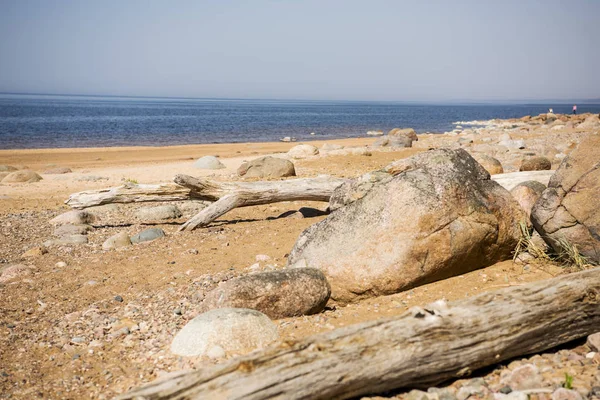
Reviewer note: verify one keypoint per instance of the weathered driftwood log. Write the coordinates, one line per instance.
(420, 348)
(230, 195)
(128, 193)
(509, 180)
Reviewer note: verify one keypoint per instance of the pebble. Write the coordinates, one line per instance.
(61, 264)
(118, 298)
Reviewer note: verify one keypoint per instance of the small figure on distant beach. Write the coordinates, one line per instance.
(574, 108)
(551, 111)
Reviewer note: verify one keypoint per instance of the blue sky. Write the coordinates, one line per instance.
(434, 50)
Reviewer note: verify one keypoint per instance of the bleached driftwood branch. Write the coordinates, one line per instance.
(419, 348)
(230, 195)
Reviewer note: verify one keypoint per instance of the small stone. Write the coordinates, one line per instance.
(566, 394)
(117, 241)
(505, 390)
(416, 395)
(233, 329)
(177, 311)
(35, 252)
(215, 353)
(58, 170)
(77, 340)
(118, 298)
(524, 377)
(61, 264)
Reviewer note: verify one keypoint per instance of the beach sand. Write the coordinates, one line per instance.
(161, 282)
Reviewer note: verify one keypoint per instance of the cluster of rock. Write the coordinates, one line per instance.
(397, 138)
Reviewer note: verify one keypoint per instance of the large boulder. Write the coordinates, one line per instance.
(22, 176)
(408, 132)
(568, 208)
(278, 294)
(433, 216)
(225, 331)
(267, 167)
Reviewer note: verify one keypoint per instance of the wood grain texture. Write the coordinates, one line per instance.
(128, 193)
(230, 195)
(419, 348)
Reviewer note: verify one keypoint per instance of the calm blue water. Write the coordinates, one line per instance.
(58, 121)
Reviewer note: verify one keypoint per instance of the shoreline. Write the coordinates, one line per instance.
(90, 157)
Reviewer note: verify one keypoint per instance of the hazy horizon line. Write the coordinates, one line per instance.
(427, 102)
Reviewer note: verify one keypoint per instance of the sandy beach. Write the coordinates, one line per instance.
(83, 322)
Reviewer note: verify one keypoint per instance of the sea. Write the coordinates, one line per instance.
(50, 121)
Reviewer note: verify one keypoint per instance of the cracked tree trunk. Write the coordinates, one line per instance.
(230, 195)
(419, 348)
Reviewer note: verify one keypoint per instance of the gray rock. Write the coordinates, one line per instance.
(437, 216)
(90, 178)
(303, 151)
(393, 141)
(594, 342)
(267, 167)
(58, 170)
(22, 176)
(331, 146)
(442, 393)
(75, 217)
(68, 229)
(121, 239)
(568, 209)
(566, 394)
(278, 294)
(158, 213)
(234, 330)
(524, 377)
(418, 395)
(148, 235)
(513, 144)
(209, 162)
